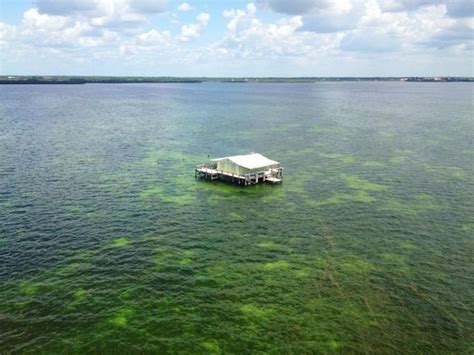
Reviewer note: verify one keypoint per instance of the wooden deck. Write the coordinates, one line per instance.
(210, 173)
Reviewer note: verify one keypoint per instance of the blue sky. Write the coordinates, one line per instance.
(237, 38)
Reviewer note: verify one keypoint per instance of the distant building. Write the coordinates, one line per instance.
(242, 169)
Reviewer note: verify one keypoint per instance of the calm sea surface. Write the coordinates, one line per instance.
(108, 243)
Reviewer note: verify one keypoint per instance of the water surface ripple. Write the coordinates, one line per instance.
(108, 243)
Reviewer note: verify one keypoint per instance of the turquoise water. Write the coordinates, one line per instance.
(108, 243)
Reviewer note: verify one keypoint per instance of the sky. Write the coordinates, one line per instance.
(237, 38)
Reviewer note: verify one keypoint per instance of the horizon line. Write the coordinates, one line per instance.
(239, 77)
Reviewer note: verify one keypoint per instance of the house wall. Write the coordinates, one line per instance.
(229, 166)
(258, 170)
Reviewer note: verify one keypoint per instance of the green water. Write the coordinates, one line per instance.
(109, 245)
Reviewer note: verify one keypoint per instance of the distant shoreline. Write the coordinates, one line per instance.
(79, 80)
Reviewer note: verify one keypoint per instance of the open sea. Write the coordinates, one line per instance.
(108, 244)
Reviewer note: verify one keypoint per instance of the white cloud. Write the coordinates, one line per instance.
(150, 41)
(104, 12)
(116, 13)
(54, 31)
(251, 9)
(35, 21)
(69, 25)
(184, 7)
(7, 34)
(203, 18)
(154, 38)
(324, 16)
(405, 31)
(192, 31)
(330, 28)
(247, 36)
(301, 33)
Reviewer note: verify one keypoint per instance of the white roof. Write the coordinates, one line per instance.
(250, 161)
